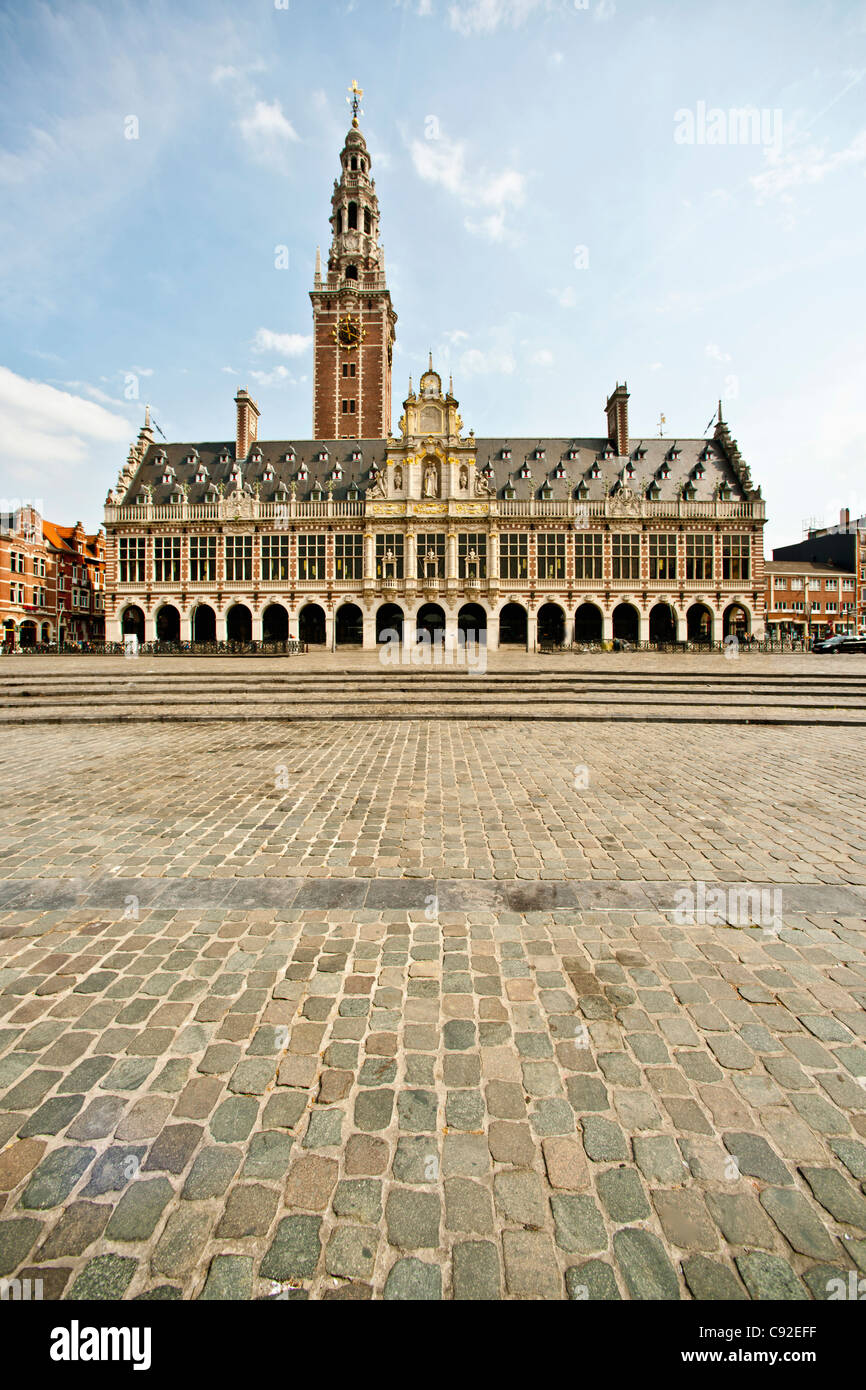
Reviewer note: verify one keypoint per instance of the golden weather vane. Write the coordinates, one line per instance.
(354, 100)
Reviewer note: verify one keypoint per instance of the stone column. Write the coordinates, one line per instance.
(149, 628)
(681, 627)
(532, 631)
(410, 633)
(112, 630)
(257, 626)
(607, 627)
(411, 562)
(493, 555)
(221, 627)
(329, 629)
(450, 556)
(369, 556)
(492, 633)
(369, 630)
(186, 627)
(643, 627)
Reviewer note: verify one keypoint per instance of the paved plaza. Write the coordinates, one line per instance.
(416, 1010)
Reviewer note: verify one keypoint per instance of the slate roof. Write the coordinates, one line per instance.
(268, 466)
(827, 568)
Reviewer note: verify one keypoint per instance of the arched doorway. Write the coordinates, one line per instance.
(27, 635)
(699, 623)
(45, 635)
(551, 624)
(350, 626)
(275, 623)
(132, 622)
(168, 624)
(204, 624)
(431, 619)
(662, 625)
(736, 621)
(389, 620)
(311, 625)
(239, 623)
(587, 623)
(472, 623)
(512, 626)
(626, 623)
(9, 633)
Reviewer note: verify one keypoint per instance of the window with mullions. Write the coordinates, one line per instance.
(389, 555)
(239, 559)
(166, 559)
(736, 551)
(275, 559)
(431, 555)
(662, 555)
(472, 555)
(131, 558)
(513, 555)
(202, 559)
(311, 557)
(349, 555)
(625, 555)
(699, 557)
(589, 555)
(551, 554)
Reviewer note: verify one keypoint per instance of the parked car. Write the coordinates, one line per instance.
(840, 643)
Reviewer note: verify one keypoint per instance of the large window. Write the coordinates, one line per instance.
(589, 555)
(551, 554)
(472, 555)
(202, 559)
(735, 557)
(662, 555)
(239, 559)
(311, 557)
(275, 558)
(625, 555)
(166, 559)
(349, 555)
(389, 555)
(431, 555)
(513, 555)
(131, 557)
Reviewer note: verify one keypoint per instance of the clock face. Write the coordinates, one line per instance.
(348, 332)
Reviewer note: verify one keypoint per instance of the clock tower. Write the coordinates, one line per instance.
(353, 318)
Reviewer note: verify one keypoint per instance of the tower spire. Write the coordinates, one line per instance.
(354, 100)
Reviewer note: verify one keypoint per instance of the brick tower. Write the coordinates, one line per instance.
(353, 318)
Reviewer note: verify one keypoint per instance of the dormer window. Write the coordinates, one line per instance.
(487, 471)
(640, 451)
(699, 471)
(572, 455)
(560, 471)
(724, 492)
(653, 491)
(322, 456)
(302, 473)
(595, 471)
(546, 492)
(508, 492)
(506, 453)
(608, 452)
(664, 472)
(582, 489)
(192, 457)
(268, 475)
(352, 494)
(357, 456)
(675, 452)
(141, 499)
(689, 490)
(201, 474)
(629, 469)
(539, 454)
(290, 456)
(525, 471)
(317, 493)
(337, 473)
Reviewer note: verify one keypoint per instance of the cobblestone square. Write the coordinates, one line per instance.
(411, 1011)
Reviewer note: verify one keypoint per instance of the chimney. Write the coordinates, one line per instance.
(248, 423)
(845, 518)
(617, 419)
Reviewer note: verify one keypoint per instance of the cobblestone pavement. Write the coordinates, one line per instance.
(416, 1014)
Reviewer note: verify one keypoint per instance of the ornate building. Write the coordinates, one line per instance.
(356, 532)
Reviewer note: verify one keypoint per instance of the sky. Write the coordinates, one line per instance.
(569, 199)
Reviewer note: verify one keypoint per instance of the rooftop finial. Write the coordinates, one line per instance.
(721, 421)
(147, 416)
(354, 100)
(430, 363)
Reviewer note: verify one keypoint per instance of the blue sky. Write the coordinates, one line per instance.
(558, 213)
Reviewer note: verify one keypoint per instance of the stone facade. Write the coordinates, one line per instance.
(359, 532)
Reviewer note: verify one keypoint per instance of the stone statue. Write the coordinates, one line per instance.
(431, 482)
(398, 478)
(464, 477)
(483, 486)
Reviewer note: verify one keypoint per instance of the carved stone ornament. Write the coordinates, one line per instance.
(626, 503)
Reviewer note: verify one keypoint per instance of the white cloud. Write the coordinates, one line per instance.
(268, 133)
(286, 344)
(543, 358)
(470, 17)
(231, 73)
(40, 424)
(804, 165)
(456, 335)
(443, 161)
(280, 375)
(567, 298)
(713, 350)
(229, 371)
(478, 363)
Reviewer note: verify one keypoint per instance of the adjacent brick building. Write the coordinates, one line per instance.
(808, 599)
(357, 532)
(52, 582)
